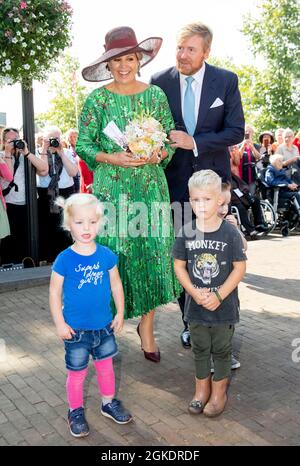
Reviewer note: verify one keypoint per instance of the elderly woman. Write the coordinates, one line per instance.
(145, 262)
(276, 175)
(291, 158)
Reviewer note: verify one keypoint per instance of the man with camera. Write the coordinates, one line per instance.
(15, 150)
(58, 182)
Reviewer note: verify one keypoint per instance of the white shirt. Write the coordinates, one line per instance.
(17, 197)
(65, 181)
(197, 88)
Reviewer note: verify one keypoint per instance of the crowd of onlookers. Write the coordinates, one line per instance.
(59, 171)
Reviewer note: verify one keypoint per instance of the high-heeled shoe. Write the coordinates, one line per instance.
(151, 356)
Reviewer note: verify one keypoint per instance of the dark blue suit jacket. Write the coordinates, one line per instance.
(216, 129)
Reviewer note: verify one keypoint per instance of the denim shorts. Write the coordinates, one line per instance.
(101, 344)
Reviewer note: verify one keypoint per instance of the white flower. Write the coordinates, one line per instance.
(39, 47)
(17, 20)
(18, 33)
(26, 67)
(14, 40)
(7, 62)
(33, 15)
(32, 41)
(32, 52)
(41, 14)
(25, 30)
(3, 54)
(36, 62)
(24, 44)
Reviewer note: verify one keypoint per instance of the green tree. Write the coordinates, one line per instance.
(249, 77)
(274, 35)
(69, 96)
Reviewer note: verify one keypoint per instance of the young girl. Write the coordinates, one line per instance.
(85, 275)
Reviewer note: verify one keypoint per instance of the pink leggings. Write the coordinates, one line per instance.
(105, 378)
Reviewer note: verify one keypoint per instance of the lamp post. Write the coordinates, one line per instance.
(30, 174)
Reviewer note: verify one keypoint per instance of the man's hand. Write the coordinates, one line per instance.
(181, 139)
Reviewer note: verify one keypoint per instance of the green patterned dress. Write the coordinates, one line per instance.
(138, 224)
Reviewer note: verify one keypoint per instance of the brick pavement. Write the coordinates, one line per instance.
(264, 402)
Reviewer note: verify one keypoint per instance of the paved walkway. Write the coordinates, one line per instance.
(264, 404)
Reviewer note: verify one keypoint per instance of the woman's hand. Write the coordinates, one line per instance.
(156, 157)
(125, 160)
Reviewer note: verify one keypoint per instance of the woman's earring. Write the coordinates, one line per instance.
(107, 67)
(138, 71)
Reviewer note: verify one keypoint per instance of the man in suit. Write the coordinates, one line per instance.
(206, 106)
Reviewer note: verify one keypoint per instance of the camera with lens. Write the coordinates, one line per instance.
(53, 142)
(19, 144)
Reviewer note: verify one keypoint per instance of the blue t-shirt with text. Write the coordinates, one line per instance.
(86, 288)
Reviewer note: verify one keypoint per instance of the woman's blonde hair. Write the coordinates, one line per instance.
(80, 199)
(204, 179)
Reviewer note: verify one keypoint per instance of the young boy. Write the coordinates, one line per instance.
(209, 263)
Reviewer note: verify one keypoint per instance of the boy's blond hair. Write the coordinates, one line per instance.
(80, 199)
(204, 179)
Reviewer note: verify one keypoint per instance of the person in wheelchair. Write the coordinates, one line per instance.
(276, 176)
(244, 200)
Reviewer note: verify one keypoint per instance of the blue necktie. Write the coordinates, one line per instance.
(189, 106)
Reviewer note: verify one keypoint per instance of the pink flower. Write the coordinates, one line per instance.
(23, 5)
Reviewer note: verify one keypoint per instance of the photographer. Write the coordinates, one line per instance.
(14, 247)
(59, 182)
(266, 140)
(243, 200)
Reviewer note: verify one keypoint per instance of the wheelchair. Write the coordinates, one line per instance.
(286, 210)
(268, 211)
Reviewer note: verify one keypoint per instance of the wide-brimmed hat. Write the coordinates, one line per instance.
(268, 133)
(121, 41)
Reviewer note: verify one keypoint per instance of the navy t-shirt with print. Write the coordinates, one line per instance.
(86, 288)
(210, 258)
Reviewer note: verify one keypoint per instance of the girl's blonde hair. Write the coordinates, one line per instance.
(80, 199)
(204, 179)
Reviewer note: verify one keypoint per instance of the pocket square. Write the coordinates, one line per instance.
(217, 103)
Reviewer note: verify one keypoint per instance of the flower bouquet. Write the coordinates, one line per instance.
(143, 135)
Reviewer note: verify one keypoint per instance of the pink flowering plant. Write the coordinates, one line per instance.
(32, 35)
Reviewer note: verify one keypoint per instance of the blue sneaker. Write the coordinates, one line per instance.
(116, 412)
(77, 423)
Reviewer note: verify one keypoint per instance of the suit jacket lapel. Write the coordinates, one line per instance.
(175, 103)
(207, 95)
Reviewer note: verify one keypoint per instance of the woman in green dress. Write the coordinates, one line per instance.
(133, 187)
